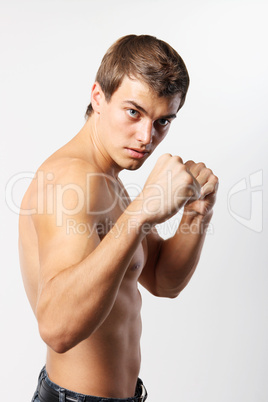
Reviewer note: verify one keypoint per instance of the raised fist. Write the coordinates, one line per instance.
(169, 186)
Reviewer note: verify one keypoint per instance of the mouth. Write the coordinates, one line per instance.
(137, 153)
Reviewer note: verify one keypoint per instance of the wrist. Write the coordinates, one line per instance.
(191, 214)
(137, 218)
(194, 220)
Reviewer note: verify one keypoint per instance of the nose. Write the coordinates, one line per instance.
(145, 133)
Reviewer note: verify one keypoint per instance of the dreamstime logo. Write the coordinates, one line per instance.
(255, 192)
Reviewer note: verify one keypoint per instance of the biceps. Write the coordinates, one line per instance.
(63, 246)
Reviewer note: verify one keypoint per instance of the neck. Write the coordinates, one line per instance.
(95, 151)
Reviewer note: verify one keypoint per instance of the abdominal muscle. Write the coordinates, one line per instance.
(107, 363)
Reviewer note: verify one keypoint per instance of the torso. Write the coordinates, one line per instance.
(108, 362)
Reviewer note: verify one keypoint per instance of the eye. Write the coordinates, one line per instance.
(132, 113)
(163, 122)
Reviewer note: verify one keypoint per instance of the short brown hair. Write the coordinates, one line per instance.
(147, 58)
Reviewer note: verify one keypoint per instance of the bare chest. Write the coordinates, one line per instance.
(115, 203)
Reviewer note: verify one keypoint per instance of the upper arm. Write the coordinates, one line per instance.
(66, 229)
(148, 276)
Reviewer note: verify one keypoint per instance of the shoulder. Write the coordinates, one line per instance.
(65, 182)
(66, 170)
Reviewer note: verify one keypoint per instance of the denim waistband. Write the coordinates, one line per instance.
(48, 391)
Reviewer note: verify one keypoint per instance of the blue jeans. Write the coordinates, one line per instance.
(49, 391)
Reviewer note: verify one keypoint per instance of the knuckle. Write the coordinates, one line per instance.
(188, 178)
(183, 168)
(164, 157)
(178, 158)
(201, 165)
(209, 171)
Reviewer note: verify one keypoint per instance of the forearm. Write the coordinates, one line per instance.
(179, 255)
(74, 303)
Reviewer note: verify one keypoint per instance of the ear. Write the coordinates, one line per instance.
(97, 97)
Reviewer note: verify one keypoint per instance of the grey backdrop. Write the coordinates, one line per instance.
(210, 344)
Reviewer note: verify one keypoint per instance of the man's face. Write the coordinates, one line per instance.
(134, 122)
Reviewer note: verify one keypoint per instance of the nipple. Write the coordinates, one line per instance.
(135, 267)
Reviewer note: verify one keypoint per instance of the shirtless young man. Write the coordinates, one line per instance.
(84, 246)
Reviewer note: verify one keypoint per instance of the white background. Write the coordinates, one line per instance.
(209, 344)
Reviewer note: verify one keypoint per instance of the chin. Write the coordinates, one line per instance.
(134, 165)
(130, 164)
(132, 168)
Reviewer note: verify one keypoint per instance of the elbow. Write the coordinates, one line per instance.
(167, 293)
(173, 295)
(61, 336)
(54, 333)
(54, 339)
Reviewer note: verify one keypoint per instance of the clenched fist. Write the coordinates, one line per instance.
(209, 184)
(169, 186)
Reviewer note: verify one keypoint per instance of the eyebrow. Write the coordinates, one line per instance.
(141, 109)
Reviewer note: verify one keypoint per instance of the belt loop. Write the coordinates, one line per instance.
(42, 373)
(61, 395)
